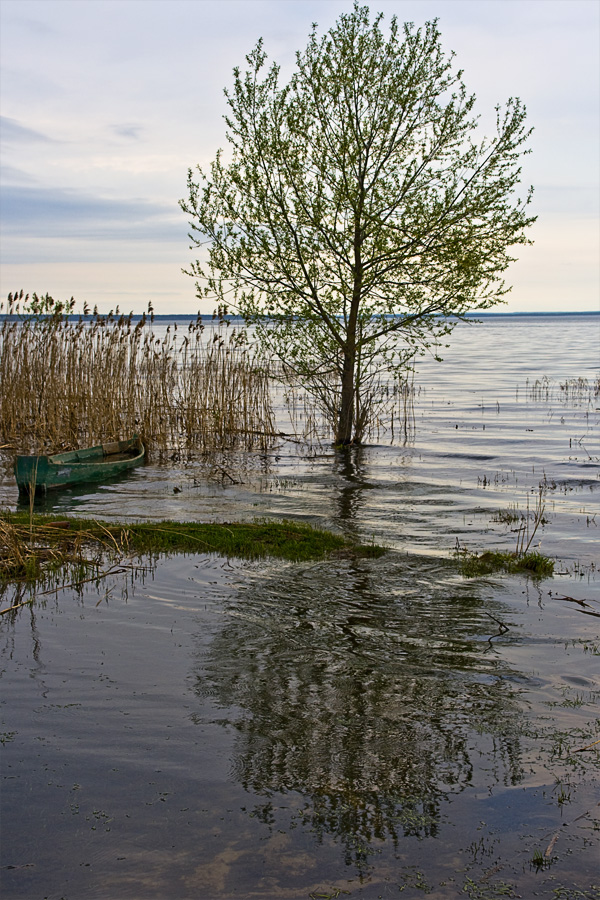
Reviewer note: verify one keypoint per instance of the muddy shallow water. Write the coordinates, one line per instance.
(211, 728)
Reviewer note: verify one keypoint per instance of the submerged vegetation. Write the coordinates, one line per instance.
(43, 549)
(534, 564)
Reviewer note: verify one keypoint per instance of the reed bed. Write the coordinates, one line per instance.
(572, 391)
(69, 381)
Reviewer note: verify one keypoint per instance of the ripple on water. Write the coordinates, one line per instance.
(219, 728)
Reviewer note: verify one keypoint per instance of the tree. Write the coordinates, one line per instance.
(360, 208)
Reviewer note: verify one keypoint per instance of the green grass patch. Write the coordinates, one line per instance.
(252, 540)
(533, 564)
(30, 546)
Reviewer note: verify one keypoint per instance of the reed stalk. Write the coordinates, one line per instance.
(525, 536)
(70, 381)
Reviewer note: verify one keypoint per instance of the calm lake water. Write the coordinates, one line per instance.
(214, 728)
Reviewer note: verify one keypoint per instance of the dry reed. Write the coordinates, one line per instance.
(68, 381)
(32, 555)
(572, 391)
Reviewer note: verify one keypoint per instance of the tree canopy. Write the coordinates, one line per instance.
(359, 207)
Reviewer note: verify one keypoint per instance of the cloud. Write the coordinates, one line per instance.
(13, 132)
(133, 132)
(15, 175)
(32, 26)
(40, 212)
(106, 109)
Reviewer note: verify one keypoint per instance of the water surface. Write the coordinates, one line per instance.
(214, 728)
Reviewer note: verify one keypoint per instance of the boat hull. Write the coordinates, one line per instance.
(44, 473)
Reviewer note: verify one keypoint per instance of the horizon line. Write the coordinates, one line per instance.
(192, 315)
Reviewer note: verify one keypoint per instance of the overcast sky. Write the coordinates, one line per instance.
(105, 105)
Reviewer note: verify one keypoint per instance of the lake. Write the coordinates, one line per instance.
(213, 728)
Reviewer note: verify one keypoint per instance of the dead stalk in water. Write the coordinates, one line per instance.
(523, 534)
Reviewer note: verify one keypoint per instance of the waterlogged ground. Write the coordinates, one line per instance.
(211, 728)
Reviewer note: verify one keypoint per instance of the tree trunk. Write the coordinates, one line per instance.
(347, 405)
(346, 417)
(346, 421)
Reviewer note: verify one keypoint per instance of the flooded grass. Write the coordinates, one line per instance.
(521, 560)
(472, 565)
(37, 549)
(47, 552)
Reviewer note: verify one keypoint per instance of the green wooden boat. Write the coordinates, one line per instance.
(44, 473)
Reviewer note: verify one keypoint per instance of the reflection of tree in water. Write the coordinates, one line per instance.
(358, 686)
(350, 464)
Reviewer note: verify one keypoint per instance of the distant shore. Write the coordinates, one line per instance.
(186, 317)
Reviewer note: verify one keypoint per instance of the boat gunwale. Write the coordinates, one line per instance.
(99, 462)
(98, 459)
(98, 451)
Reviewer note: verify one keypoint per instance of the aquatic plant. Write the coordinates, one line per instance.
(38, 549)
(70, 381)
(494, 891)
(49, 553)
(575, 391)
(508, 516)
(521, 559)
(525, 535)
(534, 564)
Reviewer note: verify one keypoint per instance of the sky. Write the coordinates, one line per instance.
(106, 104)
